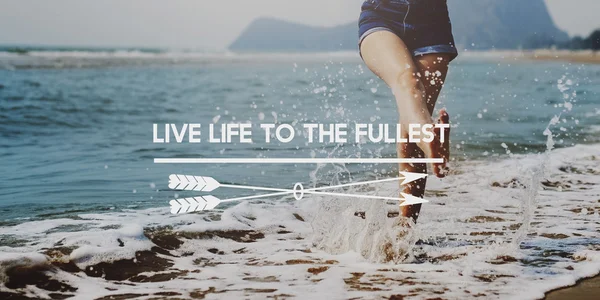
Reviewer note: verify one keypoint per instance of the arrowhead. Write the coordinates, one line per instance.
(211, 184)
(211, 202)
(410, 177)
(411, 200)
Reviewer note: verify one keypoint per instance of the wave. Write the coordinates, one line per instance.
(50, 49)
(33, 58)
(512, 228)
(74, 57)
(83, 52)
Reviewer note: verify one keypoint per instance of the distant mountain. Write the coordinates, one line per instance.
(277, 35)
(477, 24)
(502, 24)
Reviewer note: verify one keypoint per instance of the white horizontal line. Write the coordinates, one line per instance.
(297, 160)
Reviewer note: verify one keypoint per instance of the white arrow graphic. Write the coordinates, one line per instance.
(201, 203)
(187, 205)
(411, 200)
(207, 184)
(192, 183)
(410, 177)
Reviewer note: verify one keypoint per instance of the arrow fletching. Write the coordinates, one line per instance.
(192, 183)
(188, 205)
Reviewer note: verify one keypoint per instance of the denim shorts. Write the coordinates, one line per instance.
(423, 25)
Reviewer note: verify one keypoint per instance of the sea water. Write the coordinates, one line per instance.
(518, 215)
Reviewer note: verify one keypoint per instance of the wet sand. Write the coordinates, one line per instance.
(542, 55)
(583, 290)
(584, 57)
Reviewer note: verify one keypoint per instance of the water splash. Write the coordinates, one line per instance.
(536, 173)
(343, 225)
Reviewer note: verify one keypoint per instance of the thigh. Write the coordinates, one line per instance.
(433, 68)
(387, 56)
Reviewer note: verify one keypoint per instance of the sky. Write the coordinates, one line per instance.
(198, 24)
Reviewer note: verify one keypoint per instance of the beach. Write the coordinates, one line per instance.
(466, 246)
(86, 211)
(542, 55)
(583, 290)
(582, 57)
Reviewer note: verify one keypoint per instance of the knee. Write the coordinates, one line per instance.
(409, 80)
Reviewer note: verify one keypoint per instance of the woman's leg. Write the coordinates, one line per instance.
(432, 67)
(389, 58)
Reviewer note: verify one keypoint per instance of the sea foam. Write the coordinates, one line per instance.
(511, 228)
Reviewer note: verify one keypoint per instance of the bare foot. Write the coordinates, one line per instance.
(435, 149)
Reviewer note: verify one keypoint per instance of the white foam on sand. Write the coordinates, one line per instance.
(103, 247)
(513, 228)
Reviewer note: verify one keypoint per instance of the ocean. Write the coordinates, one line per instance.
(85, 211)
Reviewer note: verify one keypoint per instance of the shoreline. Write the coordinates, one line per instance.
(549, 55)
(584, 289)
(95, 59)
(582, 56)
